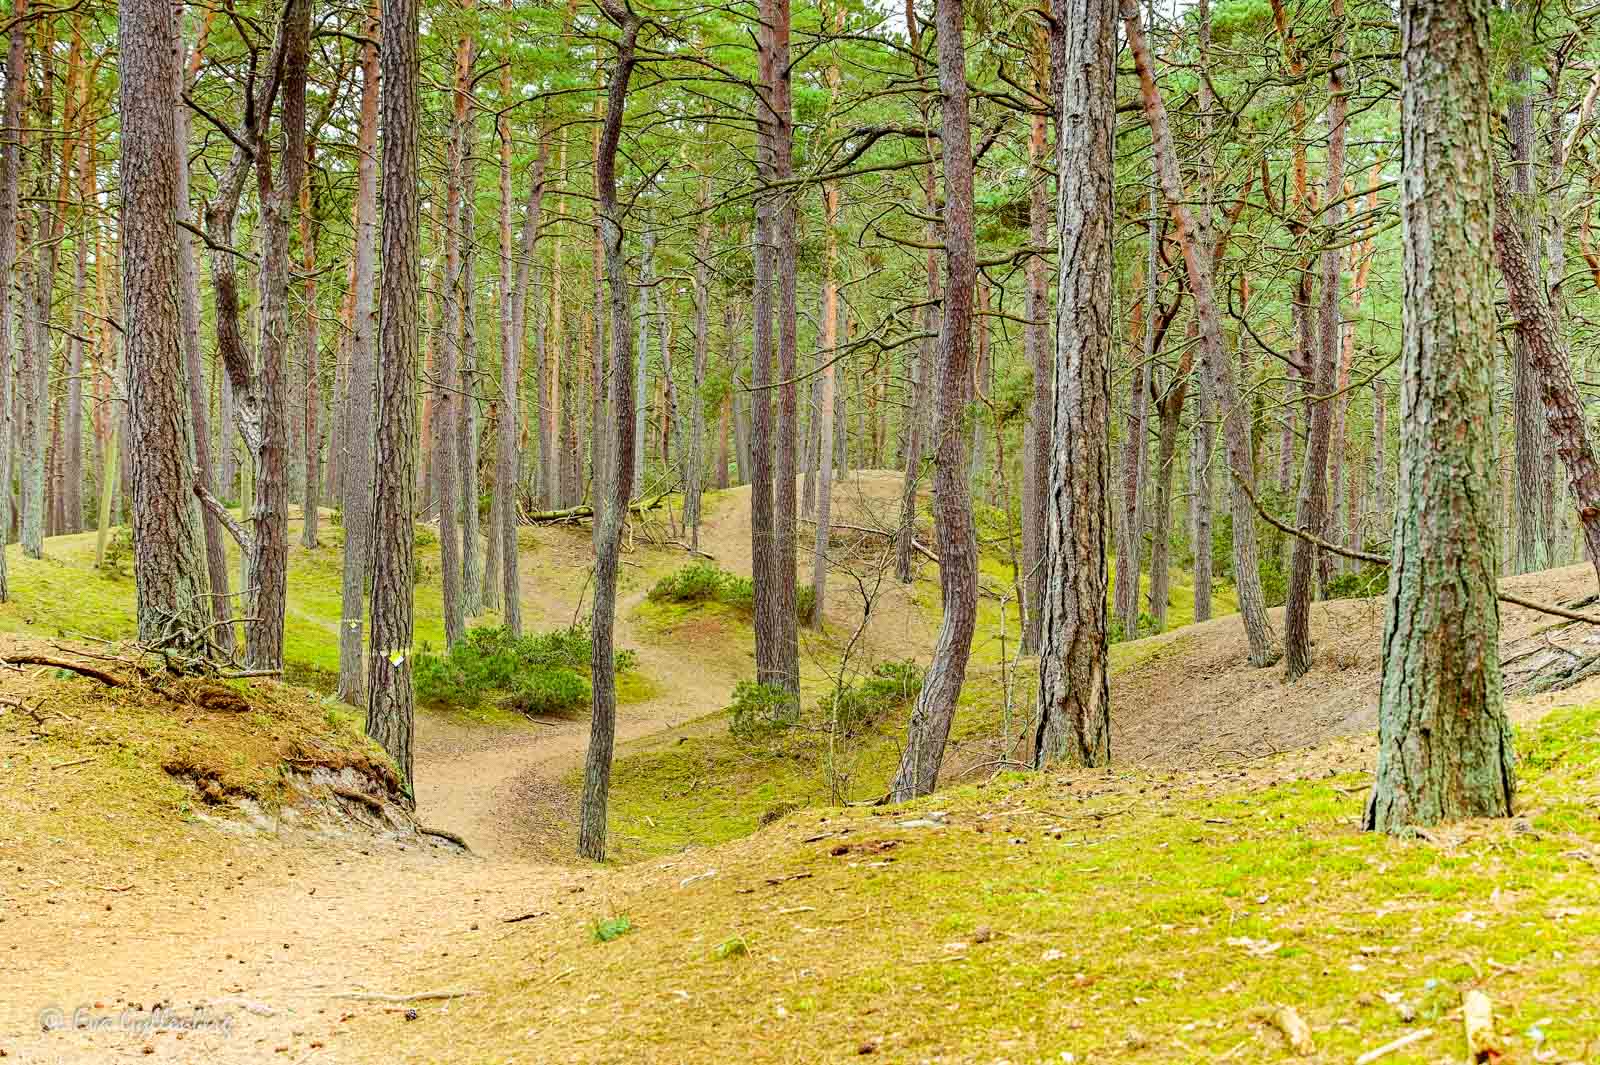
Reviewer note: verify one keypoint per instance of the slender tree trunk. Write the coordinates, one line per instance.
(471, 376)
(1312, 509)
(169, 574)
(311, 515)
(1533, 537)
(695, 461)
(268, 552)
(10, 180)
(1074, 688)
(957, 540)
(1196, 247)
(830, 342)
(358, 413)
(1444, 746)
(611, 492)
(1170, 410)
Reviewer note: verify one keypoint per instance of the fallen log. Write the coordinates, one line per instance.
(584, 510)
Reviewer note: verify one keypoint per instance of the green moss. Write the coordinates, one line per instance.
(1128, 916)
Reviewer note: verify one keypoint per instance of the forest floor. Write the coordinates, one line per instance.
(1157, 912)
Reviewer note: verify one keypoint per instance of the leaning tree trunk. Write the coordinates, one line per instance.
(952, 510)
(357, 415)
(1196, 246)
(1312, 508)
(1444, 746)
(1074, 686)
(390, 700)
(1552, 371)
(169, 574)
(611, 492)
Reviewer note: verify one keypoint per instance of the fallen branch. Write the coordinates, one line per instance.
(1389, 1048)
(1383, 560)
(216, 507)
(525, 917)
(110, 680)
(68, 765)
(885, 533)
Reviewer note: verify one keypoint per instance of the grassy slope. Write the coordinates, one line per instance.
(1121, 916)
(701, 786)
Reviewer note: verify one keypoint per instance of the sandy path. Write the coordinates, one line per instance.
(270, 933)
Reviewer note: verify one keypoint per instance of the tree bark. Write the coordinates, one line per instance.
(1444, 746)
(169, 574)
(1074, 708)
(389, 693)
(957, 540)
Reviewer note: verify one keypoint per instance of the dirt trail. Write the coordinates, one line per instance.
(270, 934)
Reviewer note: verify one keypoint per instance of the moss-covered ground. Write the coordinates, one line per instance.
(1082, 916)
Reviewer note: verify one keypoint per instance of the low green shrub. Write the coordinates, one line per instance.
(539, 673)
(889, 688)
(704, 582)
(698, 582)
(760, 710)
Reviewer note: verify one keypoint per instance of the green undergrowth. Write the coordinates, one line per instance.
(534, 674)
(1087, 916)
(702, 583)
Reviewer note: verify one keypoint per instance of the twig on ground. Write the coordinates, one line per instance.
(420, 996)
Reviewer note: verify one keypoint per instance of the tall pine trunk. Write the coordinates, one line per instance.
(1074, 708)
(1444, 746)
(358, 412)
(169, 574)
(611, 490)
(918, 773)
